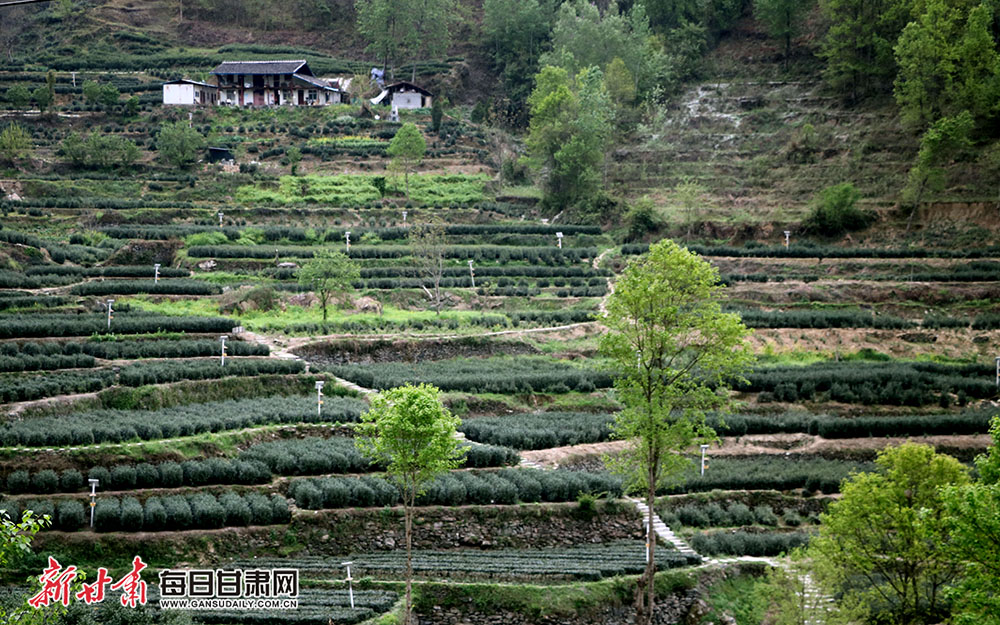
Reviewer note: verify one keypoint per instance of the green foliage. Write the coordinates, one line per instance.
(394, 28)
(437, 114)
(294, 156)
(19, 96)
(407, 149)
(328, 274)
(132, 287)
(43, 97)
(858, 47)
(748, 543)
(835, 212)
(783, 19)
(141, 374)
(946, 139)
(99, 151)
(15, 143)
(568, 133)
(179, 144)
(889, 529)
(764, 473)
(91, 91)
(62, 324)
(409, 430)
(359, 190)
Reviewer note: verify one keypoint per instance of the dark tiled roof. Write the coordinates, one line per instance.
(263, 67)
(396, 86)
(185, 81)
(315, 82)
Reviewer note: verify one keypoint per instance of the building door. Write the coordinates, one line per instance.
(258, 98)
(302, 97)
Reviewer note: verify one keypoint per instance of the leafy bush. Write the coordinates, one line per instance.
(69, 515)
(748, 543)
(35, 325)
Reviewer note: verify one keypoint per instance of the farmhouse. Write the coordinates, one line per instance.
(404, 95)
(272, 83)
(186, 92)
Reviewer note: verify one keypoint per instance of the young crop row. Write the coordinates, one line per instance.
(539, 431)
(500, 253)
(113, 271)
(736, 514)
(978, 271)
(501, 374)
(17, 280)
(168, 474)
(545, 430)
(25, 362)
(485, 285)
(584, 562)
(33, 301)
(860, 319)
(742, 543)
(506, 486)
(769, 473)
(502, 271)
(115, 426)
(314, 456)
(383, 325)
(58, 252)
(446, 190)
(334, 235)
(176, 286)
(893, 383)
(315, 607)
(178, 512)
(133, 349)
(15, 387)
(162, 372)
(57, 324)
(823, 251)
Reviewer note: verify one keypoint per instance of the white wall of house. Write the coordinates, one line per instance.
(406, 99)
(179, 94)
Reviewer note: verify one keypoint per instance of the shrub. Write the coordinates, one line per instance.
(764, 515)
(132, 515)
(260, 509)
(70, 515)
(45, 481)
(236, 508)
(835, 211)
(17, 482)
(740, 514)
(70, 481)
(171, 475)
(206, 512)
(107, 514)
(279, 510)
(123, 477)
(178, 511)
(155, 517)
(102, 475)
(147, 475)
(791, 518)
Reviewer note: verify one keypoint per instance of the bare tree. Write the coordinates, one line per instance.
(428, 244)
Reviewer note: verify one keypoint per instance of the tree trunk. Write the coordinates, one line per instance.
(408, 524)
(322, 300)
(406, 177)
(651, 558)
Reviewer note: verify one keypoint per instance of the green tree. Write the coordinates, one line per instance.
(946, 138)
(783, 20)
(15, 541)
(437, 114)
(50, 84)
(178, 143)
(294, 156)
(884, 544)
(396, 27)
(91, 91)
(674, 352)
(18, 96)
(328, 274)
(619, 82)
(132, 106)
(109, 95)
(15, 143)
(974, 527)
(858, 47)
(99, 151)
(835, 211)
(515, 33)
(409, 430)
(43, 98)
(568, 133)
(407, 150)
(428, 244)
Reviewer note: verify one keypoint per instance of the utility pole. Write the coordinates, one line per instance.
(319, 404)
(559, 237)
(347, 238)
(220, 219)
(349, 579)
(156, 273)
(222, 339)
(93, 499)
(704, 462)
(472, 275)
(110, 313)
(404, 218)
(788, 233)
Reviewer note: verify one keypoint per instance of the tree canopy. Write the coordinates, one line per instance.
(329, 272)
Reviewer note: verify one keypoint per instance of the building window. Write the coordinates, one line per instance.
(312, 95)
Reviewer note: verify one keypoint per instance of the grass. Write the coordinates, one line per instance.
(739, 597)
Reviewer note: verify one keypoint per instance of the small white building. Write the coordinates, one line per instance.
(404, 95)
(186, 92)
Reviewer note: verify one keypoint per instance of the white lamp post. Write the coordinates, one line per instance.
(404, 218)
(220, 219)
(472, 276)
(349, 579)
(319, 397)
(156, 273)
(788, 233)
(93, 499)
(559, 237)
(111, 312)
(222, 339)
(704, 448)
(347, 238)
